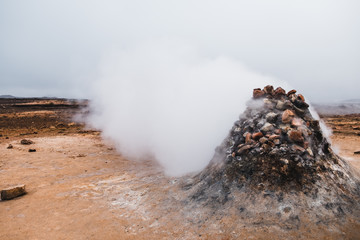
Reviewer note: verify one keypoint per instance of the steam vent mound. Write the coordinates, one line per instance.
(276, 168)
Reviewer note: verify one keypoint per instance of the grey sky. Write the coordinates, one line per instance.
(53, 48)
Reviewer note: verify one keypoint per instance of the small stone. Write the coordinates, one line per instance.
(279, 92)
(287, 116)
(291, 92)
(296, 136)
(277, 142)
(277, 131)
(357, 152)
(12, 192)
(300, 104)
(258, 93)
(269, 90)
(280, 105)
(271, 117)
(263, 140)
(257, 136)
(285, 128)
(296, 122)
(26, 142)
(10, 146)
(301, 97)
(274, 136)
(267, 127)
(311, 152)
(298, 148)
(268, 103)
(32, 150)
(244, 148)
(248, 138)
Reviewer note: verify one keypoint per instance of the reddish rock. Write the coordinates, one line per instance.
(269, 90)
(248, 138)
(257, 135)
(296, 136)
(298, 148)
(244, 149)
(296, 122)
(291, 92)
(279, 92)
(287, 116)
(301, 97)
(258, 93)
(277, 141)
(274, 136)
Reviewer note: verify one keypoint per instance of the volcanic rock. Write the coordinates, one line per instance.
(26, 142)
(287, 116)
(258, 93)
(12, 192)
(296, 136)
(289, 177)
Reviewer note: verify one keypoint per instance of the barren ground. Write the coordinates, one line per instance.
(79, 187)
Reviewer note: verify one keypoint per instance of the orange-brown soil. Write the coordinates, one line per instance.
(79, 187)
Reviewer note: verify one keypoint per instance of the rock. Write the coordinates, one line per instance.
(357, 152)
(258, 93)
(274, 136)
(296, 136)
(248, 138)
(271, 117)
(269, 90)
(263, 140)
(298, 148)
(277, 142)
(268, 103)
(32, 150)
(287, 116)
(244, 148)
(257, 136)
(301, 98)
(26, 142)
(279, 92)
(291, 92)
(267, 127)
(12, 192)
(296, 122)
(10, 146)
(310, 151)
(300, 104)
(280, 105)
(277, 131)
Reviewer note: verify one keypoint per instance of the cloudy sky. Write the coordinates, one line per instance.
(55, 48)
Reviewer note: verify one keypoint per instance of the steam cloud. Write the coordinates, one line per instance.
(163, 98)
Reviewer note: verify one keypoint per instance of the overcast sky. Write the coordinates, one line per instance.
(54, 48)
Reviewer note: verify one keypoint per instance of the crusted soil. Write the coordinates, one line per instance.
(79, 187)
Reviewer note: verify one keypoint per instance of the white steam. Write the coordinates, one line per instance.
(163, 98)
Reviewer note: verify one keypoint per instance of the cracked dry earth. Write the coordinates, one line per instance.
(79, 187)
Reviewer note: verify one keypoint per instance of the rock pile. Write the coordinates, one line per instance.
(276, 155)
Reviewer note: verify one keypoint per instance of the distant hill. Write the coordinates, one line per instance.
(352, 101)
(7, 96)
(351, 106)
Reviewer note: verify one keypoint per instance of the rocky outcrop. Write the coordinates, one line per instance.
(277, 165)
